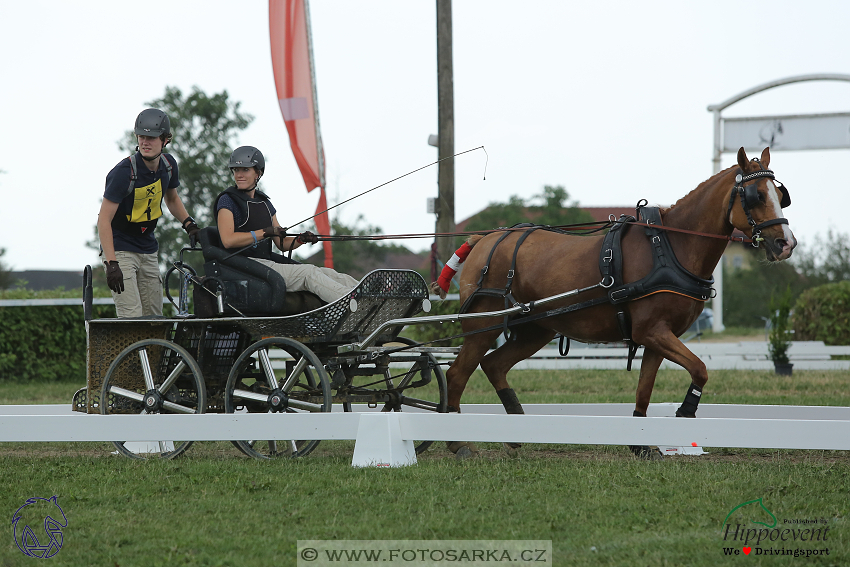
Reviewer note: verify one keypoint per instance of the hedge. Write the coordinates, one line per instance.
(823, 314)
(44, 342)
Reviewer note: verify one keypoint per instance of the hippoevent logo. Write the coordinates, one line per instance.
(751, 528)
(44, 514)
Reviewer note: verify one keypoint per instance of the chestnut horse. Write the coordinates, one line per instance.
(549, 263)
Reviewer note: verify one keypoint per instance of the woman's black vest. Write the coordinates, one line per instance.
(256, 215)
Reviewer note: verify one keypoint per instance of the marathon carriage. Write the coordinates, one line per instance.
(251, 346)
(285, 352)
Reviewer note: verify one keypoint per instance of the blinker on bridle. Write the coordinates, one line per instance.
(750, 199)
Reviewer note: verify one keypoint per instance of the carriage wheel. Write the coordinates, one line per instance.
(431, 395)
(277, 375)
(148, 377)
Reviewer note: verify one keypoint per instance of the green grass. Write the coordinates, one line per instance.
(598, 505)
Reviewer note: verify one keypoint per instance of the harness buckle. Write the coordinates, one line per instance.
(656, 239)
(510, 274)
(610, 255)
(613, 294)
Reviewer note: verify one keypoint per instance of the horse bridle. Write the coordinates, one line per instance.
(750, 198)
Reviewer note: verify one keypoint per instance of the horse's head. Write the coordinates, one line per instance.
(756, 203)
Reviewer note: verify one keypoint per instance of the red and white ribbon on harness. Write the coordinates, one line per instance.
(452, 266)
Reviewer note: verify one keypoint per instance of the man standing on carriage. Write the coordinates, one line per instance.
(245, 217)
(131, 207)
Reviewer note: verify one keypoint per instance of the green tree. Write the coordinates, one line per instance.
(357, 257)
(204, 129)
(551, 207)
(5, 272)
(826, 259)
(747, 292)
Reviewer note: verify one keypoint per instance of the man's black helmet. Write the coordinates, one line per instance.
(152, 122)
(247, 156)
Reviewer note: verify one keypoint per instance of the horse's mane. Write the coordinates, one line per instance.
(698, 188)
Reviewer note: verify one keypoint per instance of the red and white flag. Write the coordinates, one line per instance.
(295, 81)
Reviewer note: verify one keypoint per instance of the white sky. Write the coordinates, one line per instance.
(606, 98)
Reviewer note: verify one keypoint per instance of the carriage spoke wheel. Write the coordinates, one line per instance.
(418, 385)
(277, 375)
(148, 377)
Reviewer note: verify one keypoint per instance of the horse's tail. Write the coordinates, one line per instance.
(442, 284)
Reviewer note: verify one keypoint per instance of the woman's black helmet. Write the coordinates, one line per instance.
(247, 156)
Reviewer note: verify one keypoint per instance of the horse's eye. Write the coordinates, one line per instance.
(761, 197)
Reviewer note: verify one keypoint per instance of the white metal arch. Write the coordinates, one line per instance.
(717, 302)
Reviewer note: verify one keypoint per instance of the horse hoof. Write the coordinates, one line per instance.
(456, 446)
(646, 453)
(680, 413)
(465, 453)
(512, 448)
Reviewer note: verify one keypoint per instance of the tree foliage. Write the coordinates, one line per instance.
(747, 292)
(826, 259)
(45, 342)
(778, 341)
(823, 314)
(551, 207)
(5, 272)
(357, 257)
(204, 129)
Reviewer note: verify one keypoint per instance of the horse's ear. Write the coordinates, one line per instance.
(765, 157)
(742, 159)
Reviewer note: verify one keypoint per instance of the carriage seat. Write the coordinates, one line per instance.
(250, 287)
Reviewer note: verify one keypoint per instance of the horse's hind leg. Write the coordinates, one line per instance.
(473, 350)
(526, 341)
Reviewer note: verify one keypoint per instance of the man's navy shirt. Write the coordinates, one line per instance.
(117, 182)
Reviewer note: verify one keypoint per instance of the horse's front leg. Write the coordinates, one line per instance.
(649, 365)
(668, 345)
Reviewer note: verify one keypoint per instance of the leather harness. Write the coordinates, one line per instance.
(667, 276)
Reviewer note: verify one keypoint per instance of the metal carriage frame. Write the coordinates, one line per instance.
(295, 363)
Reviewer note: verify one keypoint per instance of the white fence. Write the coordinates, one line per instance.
(804, 355)
(385, 439)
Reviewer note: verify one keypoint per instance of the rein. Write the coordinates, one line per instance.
(602, 225)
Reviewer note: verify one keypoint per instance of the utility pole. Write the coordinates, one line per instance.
(446, 132)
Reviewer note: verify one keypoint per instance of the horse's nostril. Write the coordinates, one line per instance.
(781, 243)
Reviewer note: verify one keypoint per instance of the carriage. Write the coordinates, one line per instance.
(250, 346)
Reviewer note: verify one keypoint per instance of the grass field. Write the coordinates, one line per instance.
(598, 505)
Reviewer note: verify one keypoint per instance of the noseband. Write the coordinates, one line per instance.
(750, 199)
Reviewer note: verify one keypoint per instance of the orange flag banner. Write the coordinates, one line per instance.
(295, 81)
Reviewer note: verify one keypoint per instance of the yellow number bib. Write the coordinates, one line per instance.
(147, 203)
